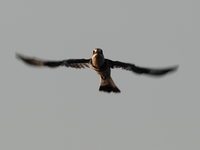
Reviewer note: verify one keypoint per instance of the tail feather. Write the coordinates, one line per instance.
(107, 85)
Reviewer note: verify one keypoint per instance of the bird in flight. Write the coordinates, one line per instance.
(101, 66)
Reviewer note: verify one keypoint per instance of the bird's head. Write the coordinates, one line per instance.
(97, 57)
(97, 51)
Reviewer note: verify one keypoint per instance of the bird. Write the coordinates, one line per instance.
(101, 65)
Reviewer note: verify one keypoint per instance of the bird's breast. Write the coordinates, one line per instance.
(100, 66)
(97, 60)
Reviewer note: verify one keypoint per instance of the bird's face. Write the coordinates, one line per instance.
(97, 51)
(97, 57)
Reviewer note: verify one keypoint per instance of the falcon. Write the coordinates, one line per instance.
(101, 66)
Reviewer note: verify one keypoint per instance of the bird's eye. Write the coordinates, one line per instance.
(94, 51)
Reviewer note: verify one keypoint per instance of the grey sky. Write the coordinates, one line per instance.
(42, 108)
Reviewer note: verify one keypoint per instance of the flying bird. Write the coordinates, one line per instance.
(101, 66)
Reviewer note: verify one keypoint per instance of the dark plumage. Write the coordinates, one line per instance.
(101, 66)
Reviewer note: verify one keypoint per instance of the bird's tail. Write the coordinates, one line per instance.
(107, 85)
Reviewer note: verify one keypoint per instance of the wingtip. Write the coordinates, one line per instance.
(175, 68)
(17, 55)
(171, 70)
(20, 57)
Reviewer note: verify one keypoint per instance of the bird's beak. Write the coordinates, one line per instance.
(97, 51)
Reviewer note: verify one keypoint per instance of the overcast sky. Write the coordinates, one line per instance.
(61, 108)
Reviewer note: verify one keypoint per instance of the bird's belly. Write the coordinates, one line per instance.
(100, 66)
(97, 61)
(102, 71)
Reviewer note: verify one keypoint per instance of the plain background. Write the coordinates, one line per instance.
(61, 108)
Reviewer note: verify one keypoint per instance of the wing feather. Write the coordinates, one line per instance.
(141, 70)
(74, 63)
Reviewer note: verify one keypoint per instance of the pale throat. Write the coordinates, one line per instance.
(97, 60)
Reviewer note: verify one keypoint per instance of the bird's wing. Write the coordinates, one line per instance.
(74, 63)
(140, 70)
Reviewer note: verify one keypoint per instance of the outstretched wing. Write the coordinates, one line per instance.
(140, 70)
(74, 63)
